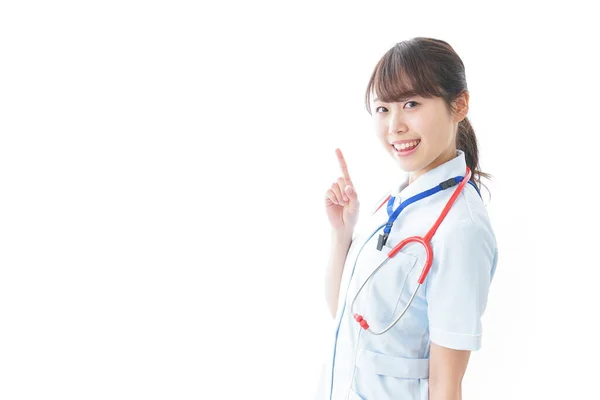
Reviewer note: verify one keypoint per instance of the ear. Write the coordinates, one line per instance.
(462, 106)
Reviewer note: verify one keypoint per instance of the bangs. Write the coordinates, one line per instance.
(400, 74)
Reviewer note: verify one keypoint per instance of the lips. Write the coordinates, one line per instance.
(407, 151)
(397, 144)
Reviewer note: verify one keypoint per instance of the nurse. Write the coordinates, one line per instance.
(418, 99)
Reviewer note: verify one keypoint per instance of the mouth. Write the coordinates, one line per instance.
(406, 149)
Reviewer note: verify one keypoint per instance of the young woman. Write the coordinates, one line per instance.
(396, 338)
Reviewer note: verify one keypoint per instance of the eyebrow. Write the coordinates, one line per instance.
(399, 100)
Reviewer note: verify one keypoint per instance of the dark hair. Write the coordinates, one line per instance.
(427, 67)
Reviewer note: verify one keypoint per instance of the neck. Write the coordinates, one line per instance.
(443, 158)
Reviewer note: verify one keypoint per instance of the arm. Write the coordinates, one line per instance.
(446, 370)
(457, 290)
(340, 244)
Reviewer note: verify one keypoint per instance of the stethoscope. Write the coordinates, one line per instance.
(422, 240)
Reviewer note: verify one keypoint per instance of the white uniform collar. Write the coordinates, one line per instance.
(455, 167)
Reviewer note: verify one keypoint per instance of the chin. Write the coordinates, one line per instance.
(408, 168)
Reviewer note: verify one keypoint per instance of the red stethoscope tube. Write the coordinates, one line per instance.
(424, 241)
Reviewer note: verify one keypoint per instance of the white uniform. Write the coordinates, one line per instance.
(447, 308)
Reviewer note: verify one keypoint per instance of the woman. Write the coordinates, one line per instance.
(419, 97)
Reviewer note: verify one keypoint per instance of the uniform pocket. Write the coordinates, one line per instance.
(375, 363)
(383, 376)
(385, 287)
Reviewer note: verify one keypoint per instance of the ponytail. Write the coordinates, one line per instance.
(467, 142)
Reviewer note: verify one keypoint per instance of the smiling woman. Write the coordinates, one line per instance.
(420, 92)
(424, 295)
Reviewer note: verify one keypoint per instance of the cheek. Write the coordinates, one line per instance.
(436, 127)
(380, 131)
(423, 126)
(440, 137)
(383, 141)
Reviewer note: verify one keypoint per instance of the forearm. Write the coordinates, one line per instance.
(340, 244)
(446, 371)
(445, 392)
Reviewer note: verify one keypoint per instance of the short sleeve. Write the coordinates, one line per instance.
(457, 285)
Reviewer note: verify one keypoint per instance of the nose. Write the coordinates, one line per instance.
(396, 126)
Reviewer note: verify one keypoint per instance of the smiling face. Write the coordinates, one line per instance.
(426, 121)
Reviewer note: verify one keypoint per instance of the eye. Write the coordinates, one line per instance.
(408, 102)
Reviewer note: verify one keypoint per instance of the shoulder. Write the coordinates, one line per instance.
(467, 221)
(465, 234)
(465, 240)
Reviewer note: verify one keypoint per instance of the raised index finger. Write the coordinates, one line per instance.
(343, 165)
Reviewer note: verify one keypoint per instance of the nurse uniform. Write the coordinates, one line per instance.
(447, 308)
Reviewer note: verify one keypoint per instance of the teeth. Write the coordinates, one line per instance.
(406, 146)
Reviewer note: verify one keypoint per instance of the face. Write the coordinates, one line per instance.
(425, 121)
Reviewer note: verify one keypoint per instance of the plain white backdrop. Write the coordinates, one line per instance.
(163, 167)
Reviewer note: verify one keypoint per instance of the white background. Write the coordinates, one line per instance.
(163, 167)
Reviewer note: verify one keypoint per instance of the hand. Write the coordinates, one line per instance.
(341, 200)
